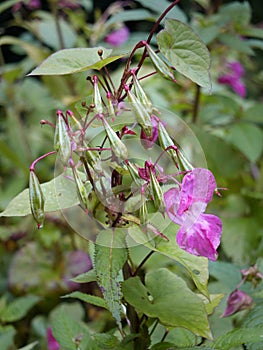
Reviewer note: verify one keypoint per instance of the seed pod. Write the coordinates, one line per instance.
(81, 189)
(166, 142)
(134, 174)
(36, 199)
(110, 105)
(143, 117)
(96, 96)
(141, 95)
(156, 193)
(143, 212)
(118, 147)
(160, 65)
(184, 163)
(62, 142)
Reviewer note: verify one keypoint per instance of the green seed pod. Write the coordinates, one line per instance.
(184, 163)
(143, 117)
(160, 65)
(166, 142)
(157, 193)
(141, 95)
(36, 199)
(143, 212)
(62, 142)
(134, 174)
(82, 192)
(96, 96)
(118, 147)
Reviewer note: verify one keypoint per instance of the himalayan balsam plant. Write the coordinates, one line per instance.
(122, 173)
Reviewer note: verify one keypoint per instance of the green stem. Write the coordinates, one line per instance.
(196, 104)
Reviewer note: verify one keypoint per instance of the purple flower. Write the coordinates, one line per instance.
(52, 343)
(233, 78)
(237, 301)
(148, 141)
(199, 233)
(75, 263)
(30, 5)
(118, 37)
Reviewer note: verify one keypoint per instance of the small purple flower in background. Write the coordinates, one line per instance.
(237, 301)
(148, 141)
(233, 78)
(52, 343)
(76, 262)
(199, 233)
(30, 5)
(118, 37)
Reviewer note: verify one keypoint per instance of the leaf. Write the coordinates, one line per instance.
(66, 329)
(109, 260)
(74, 60)
(238, 13)
(29, 346)
(130, 15)
(18, 308)
(85, 277)
(185, 51)
(87, 298)
(248, 139)
(106, 341)
(238, 337)
(160, 7)
(7, 334)
(167, 297)
(196, 266)
(6, 4)
(60, 193)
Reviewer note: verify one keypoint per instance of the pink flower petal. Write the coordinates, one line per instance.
(52, 343)
(118, 37)
(202, 238)
(237, 301)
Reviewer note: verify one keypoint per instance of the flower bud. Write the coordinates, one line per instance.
(237, 301)
(62, 142)
(143, 117)
(118, 147)
(160, 65)
(96, 96)
(37, 200)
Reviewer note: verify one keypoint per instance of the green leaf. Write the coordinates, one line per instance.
(248, 139)
(130, 15)
(85, 277)
(238, 13)
(18, 308)
(167, 297)
(87, 298)
(160, 6)
(60, 193)
(7, 334)
(106, 341)
(109, 260)
(185, 52)
(29, 346)
(74, 60)
(238, 337)
(66, 329)
(6, 4)
(196, 266)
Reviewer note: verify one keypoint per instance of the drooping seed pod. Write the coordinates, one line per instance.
(36, 199)
(143, 212)
(62, 142)
(143, 117)
(97, 96)
(110, 106)
(118, 147)
(184, 163)
(160, 65)
(134, 174)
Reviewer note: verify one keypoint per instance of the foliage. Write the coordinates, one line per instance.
(125, 280)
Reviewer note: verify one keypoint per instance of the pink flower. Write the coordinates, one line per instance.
(52, 343)
(30, 5)
(237, 301)
(199, 233)
(233, 78)
(148, 141)
(118, 37)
